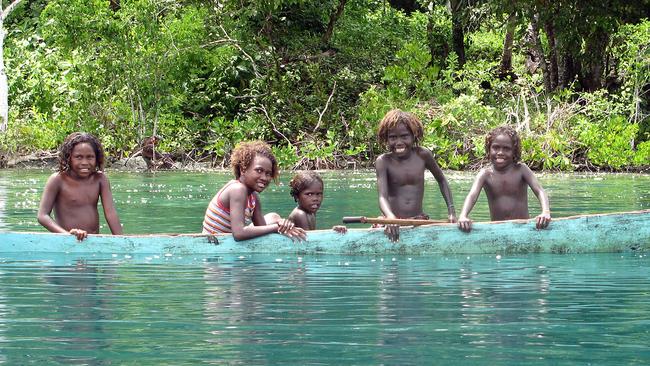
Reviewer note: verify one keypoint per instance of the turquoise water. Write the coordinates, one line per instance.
(312, 310)
(175, 202)
(264, 310)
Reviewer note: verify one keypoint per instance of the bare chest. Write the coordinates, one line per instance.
(79, 193)
(409, 172)
(509, 184)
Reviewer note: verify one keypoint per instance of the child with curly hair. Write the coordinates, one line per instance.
(400, 171)
(505, 182)
(74, 191)
(237, 205)
(307, 191)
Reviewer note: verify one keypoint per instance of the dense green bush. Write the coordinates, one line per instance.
(207, 75)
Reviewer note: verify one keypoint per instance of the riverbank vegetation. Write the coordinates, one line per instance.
(313, 78)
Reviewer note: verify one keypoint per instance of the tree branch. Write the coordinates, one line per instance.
(5, 13)
(320, 115)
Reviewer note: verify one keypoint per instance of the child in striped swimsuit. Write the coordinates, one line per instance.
(237, 204)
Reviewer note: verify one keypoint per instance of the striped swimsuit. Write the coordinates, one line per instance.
(217, 217)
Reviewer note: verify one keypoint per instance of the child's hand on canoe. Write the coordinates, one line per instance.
(392, 232)
(465, 224)
(80, 234)
(542, 220)
(289, 229)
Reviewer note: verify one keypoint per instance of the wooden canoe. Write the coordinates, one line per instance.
(613, 232)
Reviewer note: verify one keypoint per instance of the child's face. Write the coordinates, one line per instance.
(502, 152)
(400, 140)
(83, 161)
(310, 198)
(258, 175)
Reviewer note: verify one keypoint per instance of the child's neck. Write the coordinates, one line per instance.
(504, 169)
(75, 176)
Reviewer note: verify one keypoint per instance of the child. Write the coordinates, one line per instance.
(73, 192)
(237, 203)
(505, 182)
(307, 190)
(400, 172)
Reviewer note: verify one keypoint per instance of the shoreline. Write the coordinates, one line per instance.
(48, 160)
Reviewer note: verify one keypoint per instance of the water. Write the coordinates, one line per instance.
(175, 202)
(264, 310)
(313, 310)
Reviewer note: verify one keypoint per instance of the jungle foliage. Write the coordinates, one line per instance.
(313, 78)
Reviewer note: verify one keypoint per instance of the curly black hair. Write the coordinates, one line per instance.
(75, 139)
(244, 153)
(301, 181)
(393, 118)
(507, 131)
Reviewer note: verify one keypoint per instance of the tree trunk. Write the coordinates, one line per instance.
(333, 18)
(549, 28)
(115, 5)
(538, 51)
(457, 33)
(566, 70)
(505, 67)
(4, 86)
(596, 44)
(438, 45)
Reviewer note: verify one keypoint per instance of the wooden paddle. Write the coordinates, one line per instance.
(385, 221)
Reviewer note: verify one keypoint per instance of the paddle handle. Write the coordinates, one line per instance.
(386, 221)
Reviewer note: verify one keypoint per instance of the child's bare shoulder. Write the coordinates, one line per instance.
(56, 176)
(383, 157)
(423, 152)
(100, 176)
(296, 214)
(383, 160)
(54, 181)
(522, 168)
(484, 172)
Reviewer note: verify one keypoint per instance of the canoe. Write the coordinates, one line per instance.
(615, 232)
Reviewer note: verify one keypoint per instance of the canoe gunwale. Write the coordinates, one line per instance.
(221, 236)
(605, 232)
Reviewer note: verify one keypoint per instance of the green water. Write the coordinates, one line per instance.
(263, 310)
(174, 202)
(314, 310)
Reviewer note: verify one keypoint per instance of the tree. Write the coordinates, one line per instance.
(4, 87)
(336, 14)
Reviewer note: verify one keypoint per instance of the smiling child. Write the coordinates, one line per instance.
(236, 208)
(74, 191)
(505, 182)
(400, 171)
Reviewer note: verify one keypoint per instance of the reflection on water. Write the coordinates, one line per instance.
(3, 202)
(175, 202)
(248, 310)
(535, 309)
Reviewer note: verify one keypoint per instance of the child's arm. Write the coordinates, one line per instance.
(110, 213)
(50, 192)
(237, 197)
(542, 220)
(391, 231)
(434, 168)
(464, 222)
(382, 188)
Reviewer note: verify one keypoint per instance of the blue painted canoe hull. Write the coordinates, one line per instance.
(579, 234)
